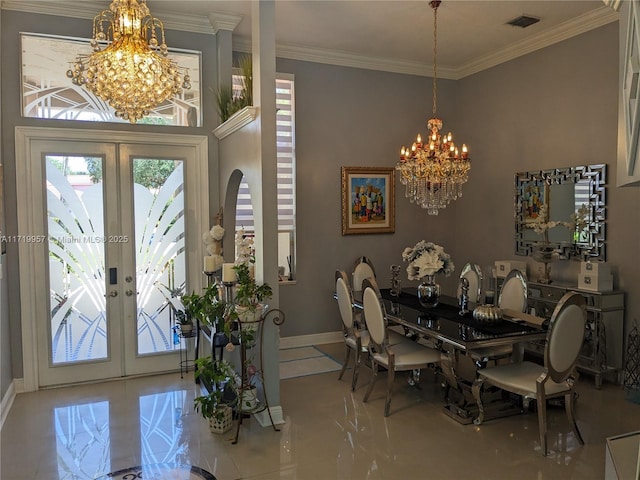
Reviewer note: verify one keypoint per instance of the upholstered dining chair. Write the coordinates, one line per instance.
(558, 375)
(406, 355)
(356, 336)
(514, 291)
(363, 268)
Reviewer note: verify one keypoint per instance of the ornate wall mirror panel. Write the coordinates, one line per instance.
(562, 208)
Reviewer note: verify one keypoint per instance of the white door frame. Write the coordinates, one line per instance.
(196, 218)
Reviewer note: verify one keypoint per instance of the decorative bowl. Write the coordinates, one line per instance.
(488, 314)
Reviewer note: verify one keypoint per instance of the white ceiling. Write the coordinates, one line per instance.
(392, 35)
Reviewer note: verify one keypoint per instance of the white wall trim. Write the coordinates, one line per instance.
(236, 121)
(313, 339)
(16, 386)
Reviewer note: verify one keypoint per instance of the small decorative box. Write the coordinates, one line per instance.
(595, 268)
(596, 283)
(503, 267)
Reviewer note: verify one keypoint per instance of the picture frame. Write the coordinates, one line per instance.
(368, 200)
(534, 197)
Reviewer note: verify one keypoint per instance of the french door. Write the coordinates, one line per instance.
(113, 249)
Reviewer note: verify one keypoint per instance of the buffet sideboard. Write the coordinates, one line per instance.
(603, 347)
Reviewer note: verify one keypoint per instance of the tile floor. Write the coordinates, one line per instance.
(85, 431)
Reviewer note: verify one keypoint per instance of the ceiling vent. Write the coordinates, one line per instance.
(523, 21)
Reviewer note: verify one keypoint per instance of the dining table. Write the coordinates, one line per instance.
(460, 337)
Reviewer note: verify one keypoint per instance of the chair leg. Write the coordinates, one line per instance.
(374, 377)
(356, 369)
(476, 390)
(346, 362)
(391, 374)
(569, 405)
(542, 421)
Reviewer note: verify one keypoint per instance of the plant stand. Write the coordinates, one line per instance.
(187, 349)
(260, 404)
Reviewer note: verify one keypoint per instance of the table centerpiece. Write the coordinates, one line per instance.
(426, 260)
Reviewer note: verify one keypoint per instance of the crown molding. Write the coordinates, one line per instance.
(89, 9)
(589, 21)
(346, 59)
(579, 25)
(224, 21)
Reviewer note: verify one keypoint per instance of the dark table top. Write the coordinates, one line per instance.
(444, 322)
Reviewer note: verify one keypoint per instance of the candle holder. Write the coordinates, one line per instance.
(228, 291)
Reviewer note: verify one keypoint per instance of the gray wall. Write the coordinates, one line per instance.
(352, 117)
(557, 107)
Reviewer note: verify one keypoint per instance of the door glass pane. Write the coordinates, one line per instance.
(76, 258)
(158, 197)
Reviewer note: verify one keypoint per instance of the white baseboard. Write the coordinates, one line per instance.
(313, 339)
(276, 415)
(16, 386)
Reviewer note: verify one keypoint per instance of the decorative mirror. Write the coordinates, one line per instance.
(562, 208)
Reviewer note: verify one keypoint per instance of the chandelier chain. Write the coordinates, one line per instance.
(435, 59)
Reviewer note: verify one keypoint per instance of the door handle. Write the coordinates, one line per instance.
(128, 293)
(113, 293)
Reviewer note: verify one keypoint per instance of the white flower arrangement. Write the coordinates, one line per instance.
(244, 247)
(427, 258)
(212, 240)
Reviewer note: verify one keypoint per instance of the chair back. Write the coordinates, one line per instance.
(374, 317)
(362, 269)
(345, 299)
(514, 291)
(565, 336)
(473, 274)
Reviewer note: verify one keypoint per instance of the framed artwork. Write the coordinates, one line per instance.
(534, 198)
(368, 195)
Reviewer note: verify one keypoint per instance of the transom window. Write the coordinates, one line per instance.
(48, 93)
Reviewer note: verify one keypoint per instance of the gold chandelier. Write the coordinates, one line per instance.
(132, 73)
(434, 171)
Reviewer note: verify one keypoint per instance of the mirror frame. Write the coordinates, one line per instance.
(594, 247)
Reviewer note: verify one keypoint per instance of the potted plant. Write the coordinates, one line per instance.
(186, 323)
(219, 376)
(230, 102)
(249, 296)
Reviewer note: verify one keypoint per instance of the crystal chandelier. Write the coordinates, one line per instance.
(434, 171)
(132, 73)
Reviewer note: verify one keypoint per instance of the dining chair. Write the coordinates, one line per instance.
(514, 291)
(406, 355)
(356, 336)
(363, 268)
(558, 375)
(513, 295)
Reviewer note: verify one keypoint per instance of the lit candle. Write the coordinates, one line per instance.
(464, 151)
(228, 273)
(209, 264)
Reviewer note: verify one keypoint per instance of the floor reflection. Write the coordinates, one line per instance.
(84, 439)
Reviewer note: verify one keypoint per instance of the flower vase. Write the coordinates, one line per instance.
(545, 254)
(429, 292)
